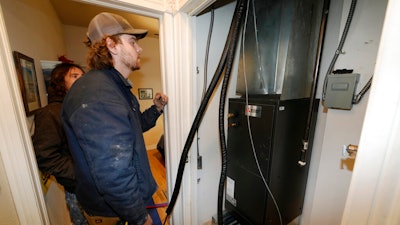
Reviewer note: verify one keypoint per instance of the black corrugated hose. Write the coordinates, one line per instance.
(306, 138)
(229, 50)
(239, 14)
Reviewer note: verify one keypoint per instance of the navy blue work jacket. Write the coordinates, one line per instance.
(104, 128)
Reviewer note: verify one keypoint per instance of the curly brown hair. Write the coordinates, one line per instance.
(57, 87)
(98, 56)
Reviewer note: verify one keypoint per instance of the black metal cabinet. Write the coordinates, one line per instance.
(277, 129)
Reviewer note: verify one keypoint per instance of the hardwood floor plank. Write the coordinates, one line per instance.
(157, 166)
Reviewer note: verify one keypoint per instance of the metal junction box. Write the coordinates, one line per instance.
(340, 90)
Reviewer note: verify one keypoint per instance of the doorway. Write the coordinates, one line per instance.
(50, 49)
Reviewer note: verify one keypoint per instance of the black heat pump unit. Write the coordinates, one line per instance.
(277, 129)
(275, 118)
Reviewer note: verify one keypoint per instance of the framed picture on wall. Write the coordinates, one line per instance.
(28, 84)
(145, 93)
(47, 67)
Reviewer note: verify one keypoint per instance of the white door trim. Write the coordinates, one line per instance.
(16, 148)
(374, 192)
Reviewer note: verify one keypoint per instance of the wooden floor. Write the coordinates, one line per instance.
(158, 169)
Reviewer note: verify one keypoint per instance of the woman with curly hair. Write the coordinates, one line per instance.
(49, 140)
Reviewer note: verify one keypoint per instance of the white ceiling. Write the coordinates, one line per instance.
(79, 14)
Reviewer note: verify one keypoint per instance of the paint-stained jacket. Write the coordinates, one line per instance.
(104, 126)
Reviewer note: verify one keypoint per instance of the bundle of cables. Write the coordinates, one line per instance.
(225, 64)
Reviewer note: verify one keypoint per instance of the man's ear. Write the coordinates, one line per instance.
(111, 45)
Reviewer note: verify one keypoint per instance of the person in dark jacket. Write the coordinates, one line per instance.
(104, 126)
(49, 141)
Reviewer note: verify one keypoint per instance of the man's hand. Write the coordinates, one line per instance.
(160, 100)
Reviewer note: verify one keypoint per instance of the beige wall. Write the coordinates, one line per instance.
(34, 30)
(149, 76)
(75, 48)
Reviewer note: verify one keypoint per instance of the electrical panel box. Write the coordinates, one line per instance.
(340, 90)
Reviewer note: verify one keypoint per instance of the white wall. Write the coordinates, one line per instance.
(330, 173)
(209, 147)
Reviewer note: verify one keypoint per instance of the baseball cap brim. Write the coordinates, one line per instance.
(138, 33)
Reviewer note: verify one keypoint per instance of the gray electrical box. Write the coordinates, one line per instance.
(340, 90)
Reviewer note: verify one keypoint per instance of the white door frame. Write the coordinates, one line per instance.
(16, 150)
(374, 192)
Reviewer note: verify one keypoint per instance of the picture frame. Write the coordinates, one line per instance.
(28, 83)
(47, 68)
(145, 93)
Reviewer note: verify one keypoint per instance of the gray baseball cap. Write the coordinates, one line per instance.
(108, 24)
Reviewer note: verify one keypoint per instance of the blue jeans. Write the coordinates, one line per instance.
(75, 211)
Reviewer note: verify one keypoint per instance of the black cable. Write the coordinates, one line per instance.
(303, 156)
(165, 220)
(360, 95)
(205, 79)
(207, 51)
(198, 118)
(231, 55)
(341, 43)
